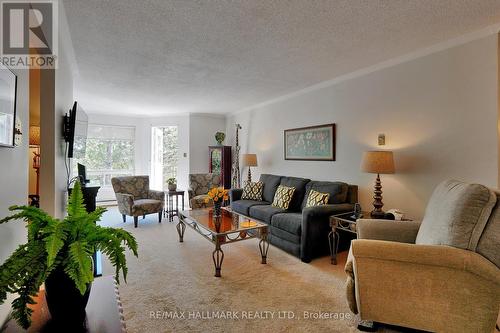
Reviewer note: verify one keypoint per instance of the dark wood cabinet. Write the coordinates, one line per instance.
(220, 161)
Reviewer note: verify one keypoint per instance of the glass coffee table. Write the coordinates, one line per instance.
(229, 228)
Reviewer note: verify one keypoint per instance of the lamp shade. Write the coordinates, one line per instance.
(378, 162)
(34, 136)
(249, 160)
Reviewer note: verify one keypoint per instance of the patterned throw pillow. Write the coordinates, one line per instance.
(252, 191)
(316, 198)
(283, 196)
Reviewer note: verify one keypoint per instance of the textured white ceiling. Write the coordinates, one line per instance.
(156, 57)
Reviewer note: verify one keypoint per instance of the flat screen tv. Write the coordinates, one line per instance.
(75, 131)
(8, 85)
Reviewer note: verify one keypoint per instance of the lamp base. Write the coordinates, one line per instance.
(377, 214)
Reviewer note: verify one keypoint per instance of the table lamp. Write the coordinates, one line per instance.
(378, 162)
(249, 160)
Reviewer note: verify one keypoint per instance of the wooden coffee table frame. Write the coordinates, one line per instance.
(221, 238)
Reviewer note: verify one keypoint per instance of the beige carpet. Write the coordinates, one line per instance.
(172, 278)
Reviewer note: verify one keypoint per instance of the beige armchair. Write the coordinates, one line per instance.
(199, 185)
(441, 275)
(136, 199)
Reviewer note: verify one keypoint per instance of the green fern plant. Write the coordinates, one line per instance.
(54, 243)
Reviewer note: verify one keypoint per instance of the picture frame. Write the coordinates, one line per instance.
(8, 101)
(313, 143)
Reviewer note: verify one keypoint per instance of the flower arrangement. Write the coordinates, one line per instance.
(217, 195)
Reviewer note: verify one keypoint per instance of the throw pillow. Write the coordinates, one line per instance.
(252, 191)
(283, 196)
(316, 198)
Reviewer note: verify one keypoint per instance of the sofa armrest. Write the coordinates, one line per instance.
(156, 195)
(125, 202)
(388, 230)
(315, 229)
(431, 256)
(235, 194)
(326, 210)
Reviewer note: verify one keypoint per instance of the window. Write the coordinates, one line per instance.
(110, 152)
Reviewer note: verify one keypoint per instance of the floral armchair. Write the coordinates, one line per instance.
(199, 185)
(136, 199)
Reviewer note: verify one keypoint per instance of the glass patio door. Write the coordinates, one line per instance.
(164, 155)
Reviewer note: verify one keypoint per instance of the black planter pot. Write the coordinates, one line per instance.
(65, 302)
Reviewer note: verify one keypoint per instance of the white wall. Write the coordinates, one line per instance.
(14, 182)
(56, 98)
(439, 114)
(202, 129)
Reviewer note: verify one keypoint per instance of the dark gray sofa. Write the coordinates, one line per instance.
(300, 231)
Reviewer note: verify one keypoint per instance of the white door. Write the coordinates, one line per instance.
(156, 159)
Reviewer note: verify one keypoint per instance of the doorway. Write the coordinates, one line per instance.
(164, 155)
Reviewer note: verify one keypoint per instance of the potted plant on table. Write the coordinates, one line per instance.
(172, 184)
(59, 253)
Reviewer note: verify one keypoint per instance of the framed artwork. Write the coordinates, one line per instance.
(314, 143)
(8, 86)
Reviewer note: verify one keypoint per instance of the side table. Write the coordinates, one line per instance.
(171, 211)
(345, 222)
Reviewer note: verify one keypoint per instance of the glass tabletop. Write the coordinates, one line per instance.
(229, 221)
(349, 217)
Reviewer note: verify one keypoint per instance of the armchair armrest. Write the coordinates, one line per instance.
(125, 202)
(157, 195)
(388, 230)
(235, 194)
(386, 279)
(315, 228)
(426, 255)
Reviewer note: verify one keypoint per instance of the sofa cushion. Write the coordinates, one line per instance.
(300, 191)
(289, 222)
(456, 215)
(283, 243)
(252, 191)
(489, 243)
(243, 206)
(279, 233)
(283, 196)
(336, 190)
(271, 183)
(264, 212)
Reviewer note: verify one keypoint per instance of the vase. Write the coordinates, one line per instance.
(65, 302)
(217, 209)
(172, 187)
